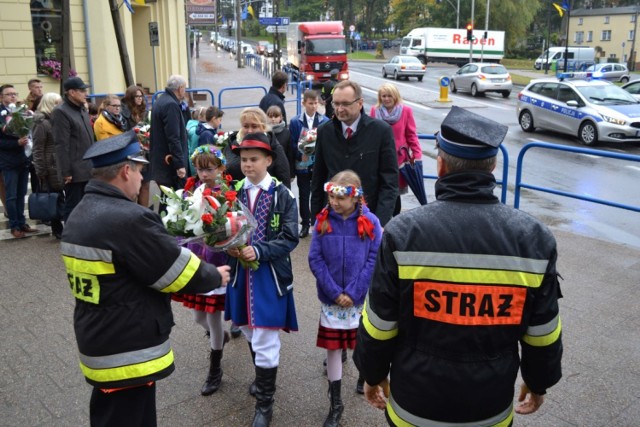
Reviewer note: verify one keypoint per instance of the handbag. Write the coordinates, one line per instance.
(43, 206)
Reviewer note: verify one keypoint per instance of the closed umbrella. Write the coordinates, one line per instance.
(411, 171)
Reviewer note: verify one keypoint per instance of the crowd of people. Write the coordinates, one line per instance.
(441, 304)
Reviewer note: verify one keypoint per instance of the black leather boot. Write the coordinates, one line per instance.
(212, 383)
(252, 388)
(335, 411)
(360, 385)
(266, 384)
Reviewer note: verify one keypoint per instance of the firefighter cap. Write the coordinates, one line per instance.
(115, 150)
(470, 136)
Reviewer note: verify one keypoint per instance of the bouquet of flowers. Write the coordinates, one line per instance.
(18, 120)
(307, 141)
(214, 216)
(222, 139)
(143, 132)
(53, 68)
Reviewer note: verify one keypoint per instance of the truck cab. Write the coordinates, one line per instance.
(316, 48)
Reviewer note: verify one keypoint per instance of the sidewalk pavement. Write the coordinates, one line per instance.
(41, 383)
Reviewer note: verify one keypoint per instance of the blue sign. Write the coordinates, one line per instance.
(274, 21)
(444, 81)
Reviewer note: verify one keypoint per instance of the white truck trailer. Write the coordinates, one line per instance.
(450, 45)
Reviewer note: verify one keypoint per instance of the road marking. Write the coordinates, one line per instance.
(404, 101)
(591, 156)
(635, 168)
(435, 93)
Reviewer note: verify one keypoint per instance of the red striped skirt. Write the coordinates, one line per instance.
(206, 303)
(336, 339)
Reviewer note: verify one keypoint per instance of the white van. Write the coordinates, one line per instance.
(581, 54)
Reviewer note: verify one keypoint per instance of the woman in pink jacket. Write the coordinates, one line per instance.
(391, 109)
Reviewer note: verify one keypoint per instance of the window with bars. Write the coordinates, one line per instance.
(46, 20)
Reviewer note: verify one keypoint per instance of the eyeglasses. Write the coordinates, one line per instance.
(10, 94)
(344, 104)
(139, 96)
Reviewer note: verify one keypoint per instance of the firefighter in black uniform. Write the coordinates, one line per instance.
(122, 266)
(327, 92)
(460, 286)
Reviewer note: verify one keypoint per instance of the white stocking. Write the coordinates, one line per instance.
(334, 365)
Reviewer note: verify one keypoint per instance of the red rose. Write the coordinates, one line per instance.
(207, 218)
(136, 130)
(228, 178)
(147, 135)
(231, 196)
(191, 182)
(206, 192)
(221, 132)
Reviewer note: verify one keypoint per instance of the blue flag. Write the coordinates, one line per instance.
(245, 13)
(128, 4)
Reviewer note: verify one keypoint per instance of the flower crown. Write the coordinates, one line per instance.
(340, 190)
(208, 149)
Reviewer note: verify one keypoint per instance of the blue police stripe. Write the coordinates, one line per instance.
(558, 108)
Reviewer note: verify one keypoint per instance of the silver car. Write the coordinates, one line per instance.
(633, 88)
(592, 110)
(404, 66)
(480, 77)
(609, 71)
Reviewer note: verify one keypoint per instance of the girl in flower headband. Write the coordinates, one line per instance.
(207, 309)
(342, 256)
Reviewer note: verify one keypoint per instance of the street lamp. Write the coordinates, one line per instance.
(457, 9)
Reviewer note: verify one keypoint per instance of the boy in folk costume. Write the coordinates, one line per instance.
(260, 301)
(342, 257)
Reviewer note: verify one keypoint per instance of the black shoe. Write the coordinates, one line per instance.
(235, 331)
(266, 383)
(214, 378)
(304, 232)
(360, 386)
(337, 407)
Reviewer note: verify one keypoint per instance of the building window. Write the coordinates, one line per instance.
(633, 18)
(606, 19)
(589, 36)
(606, 35)
(579, 37)
(631, 35)
(579, 21)
(46, 20)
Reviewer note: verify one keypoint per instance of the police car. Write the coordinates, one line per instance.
(593, 110)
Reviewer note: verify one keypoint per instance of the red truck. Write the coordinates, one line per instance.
(316, 48)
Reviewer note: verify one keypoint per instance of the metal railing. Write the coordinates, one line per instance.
(190, 90)
(505, 168)
(519, 184)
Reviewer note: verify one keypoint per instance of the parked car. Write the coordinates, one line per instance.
(610, 71)
(633, 88)
(404, 66)
(262, 47)
(269, 49)
(246, 49)
(591, 110)
(479, 78)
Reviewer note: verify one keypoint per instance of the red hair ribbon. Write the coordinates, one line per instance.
(365, 226)
(322, 217)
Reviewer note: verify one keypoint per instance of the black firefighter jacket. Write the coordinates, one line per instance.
(458, 285)
(370, 152)
(122, 266)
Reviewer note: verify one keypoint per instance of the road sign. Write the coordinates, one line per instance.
(279, 21)
(352, 28)
(154, 38)
(272, 29)
(199, 16)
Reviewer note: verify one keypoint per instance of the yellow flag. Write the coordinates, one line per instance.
(139, 1)
(251, 12)
(559, 9)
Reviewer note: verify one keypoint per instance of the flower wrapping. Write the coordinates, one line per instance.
(213, 216)
(143, 133)
(18, 120)
(222, 139)
(307, 141)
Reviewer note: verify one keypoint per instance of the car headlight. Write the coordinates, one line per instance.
(614, 120)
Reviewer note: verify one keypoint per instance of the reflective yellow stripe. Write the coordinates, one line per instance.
(544, 340)
(401, 418)
(95, 268)
(375, 333)
(138, 370)
(186, 275)
(466, 275)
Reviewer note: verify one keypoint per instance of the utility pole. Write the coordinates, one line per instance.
(473, 26)
(238, 33)
(122, 46)
(66, 44)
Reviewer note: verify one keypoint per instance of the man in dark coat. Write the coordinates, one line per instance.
(276, 93)
(353, 140)
(72, 135)
(169, 147)
(327, 92)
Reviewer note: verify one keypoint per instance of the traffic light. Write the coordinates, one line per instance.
(469, 32)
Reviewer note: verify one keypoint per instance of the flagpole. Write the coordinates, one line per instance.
(566, 43)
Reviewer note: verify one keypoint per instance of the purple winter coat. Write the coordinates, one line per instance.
(341, 261)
